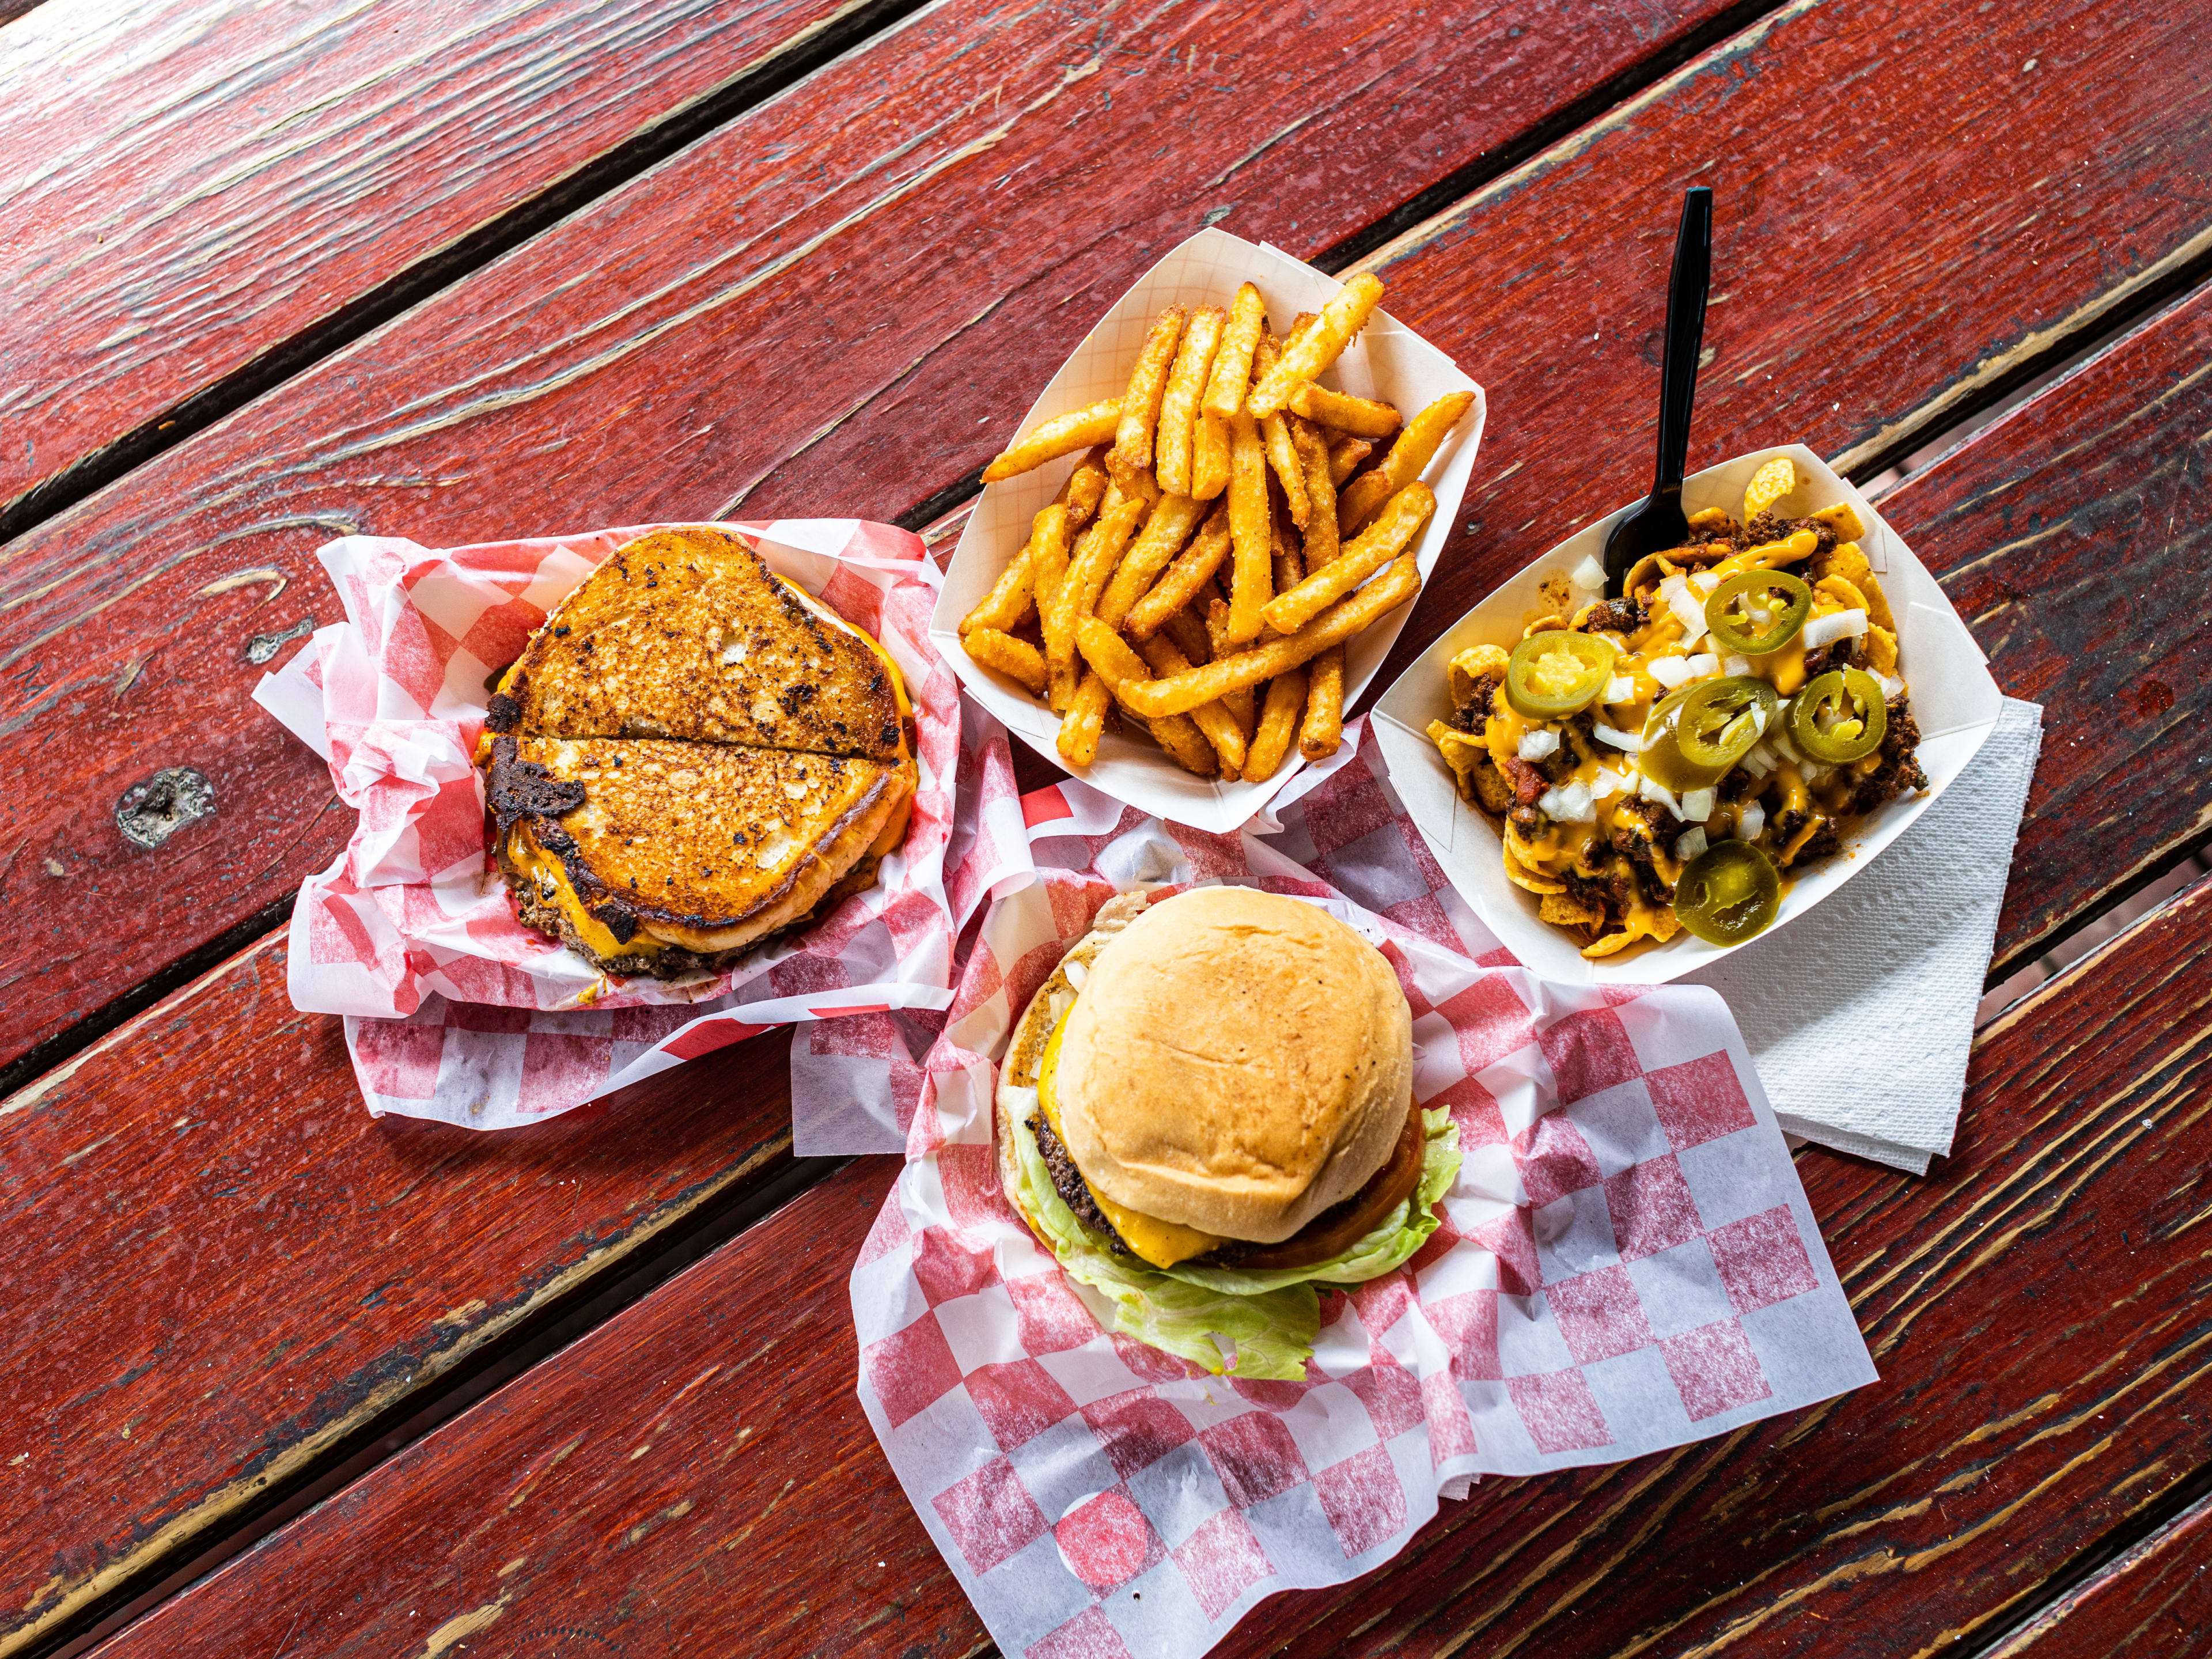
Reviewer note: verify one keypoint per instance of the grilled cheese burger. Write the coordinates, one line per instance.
(691, 757)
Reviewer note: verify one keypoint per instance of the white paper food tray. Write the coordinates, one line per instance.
(1953, 699)
(1388, 360)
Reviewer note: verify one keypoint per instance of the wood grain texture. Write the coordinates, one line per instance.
(905, 216)
(652, 357)
(187, 186)
(2042, 1379)
(217, 1263)
(2156, 1600)
(2076, 537)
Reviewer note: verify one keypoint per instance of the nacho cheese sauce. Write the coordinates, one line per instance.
(1587, 825)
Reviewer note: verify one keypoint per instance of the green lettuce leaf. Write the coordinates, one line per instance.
(1269, 1319)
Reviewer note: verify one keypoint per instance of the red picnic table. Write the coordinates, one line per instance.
(283, 1379)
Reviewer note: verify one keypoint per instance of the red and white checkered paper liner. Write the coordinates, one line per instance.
(454, 1009)
(1627, 1263)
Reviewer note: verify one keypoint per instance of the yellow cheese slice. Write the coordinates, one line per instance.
(544, 868)
(1163, 1243)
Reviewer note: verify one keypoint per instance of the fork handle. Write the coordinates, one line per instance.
(1685, 334)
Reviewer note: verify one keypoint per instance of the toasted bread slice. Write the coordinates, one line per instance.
(666, 857)
(688, 634)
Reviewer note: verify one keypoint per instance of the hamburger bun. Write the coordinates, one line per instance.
(1233, 1062)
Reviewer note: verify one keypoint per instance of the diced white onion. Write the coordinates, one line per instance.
(1890, 684)
(1627, 740)
(1703, 665)
(1690, 843)
(1539, 744)
(1621, 688)
(1761, 615)
(1759, 762)
(1607, 784)
(1669, 671)
(1077, 975)
(1759, 717)
(1732, 664)
(1588, 575)
(1570, 803)
(1836, 625)
(1816, 774)
(1651, 789)
(1705, 581)
(1669, 587)
(1690, 608)
(1751, 821)
(1697, 804)
(1784, 747)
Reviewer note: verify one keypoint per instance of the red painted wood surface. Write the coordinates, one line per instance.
(918, 194)
(217, 1263)
(2156, 1600)
(2042, 1379)
(2075, 538)
(187, 186)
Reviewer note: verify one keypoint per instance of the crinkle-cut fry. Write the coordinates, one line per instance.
(1321, 733)
(1000, 652)
(1013, 596)
(1169, 527)
(1408, 458)
(1344, 456)
(1183, 580)
(1269, 658)
(1339, 411)
(1275, 432)
(1279, 724)
(1193, 361)
(1320, 548)
(1314, 348)
(1063, 434)
(1209, 456)
(1225, 388)
(1124, 671)
(1076, 592)
(1251, 530)
(1086, 718)
(1213, 720)
(1390, 536)
(1140, 404)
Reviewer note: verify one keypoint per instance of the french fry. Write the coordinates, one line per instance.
(1077, 592)
(1013, 595)
(1209, 455)
(1124, 671)
(1017, 660)
(1282, 454)
(1139, 411)
(1250, 530)
(1193, 361)
(1408, 458)
(1279, 724)
(1084, 489)
(1344, 456)
(1165, 531)
(1063, 434)
(1322, 733)
(1182, 579)
(1214, 720)
(1192, 637)
(1183, 692)
(1233, 363)
(1391, 533)
(1289, 563)
(1362, 417)
(1086, 718)
(1321, 497)
(1304, 357)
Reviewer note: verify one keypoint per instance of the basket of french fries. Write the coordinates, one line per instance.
(1200, 545)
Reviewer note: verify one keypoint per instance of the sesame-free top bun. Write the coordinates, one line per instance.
(1237, 1062)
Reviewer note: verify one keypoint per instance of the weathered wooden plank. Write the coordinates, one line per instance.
(218, 1266)
(2074, 537)
(189, 186)
(2037, 1310)
(2156, 1599)
(909, 206)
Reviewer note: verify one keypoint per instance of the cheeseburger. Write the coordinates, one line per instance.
(1207, 1111)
